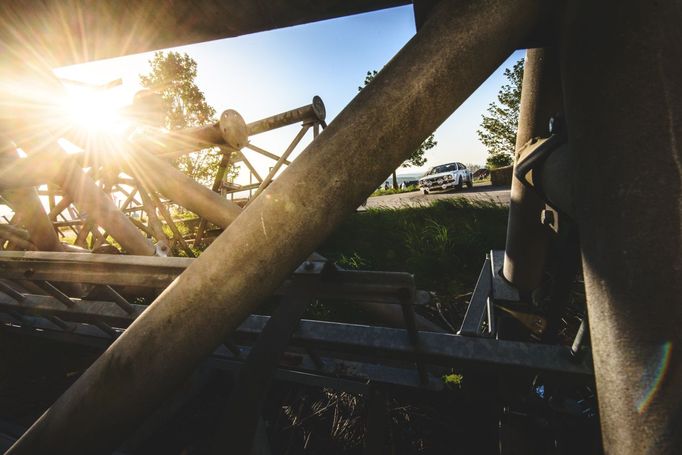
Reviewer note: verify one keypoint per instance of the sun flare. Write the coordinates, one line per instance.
(94, 111)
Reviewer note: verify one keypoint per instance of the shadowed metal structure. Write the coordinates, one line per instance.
(620, 75)
(77, 31)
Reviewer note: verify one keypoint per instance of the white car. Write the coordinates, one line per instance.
(446, 177)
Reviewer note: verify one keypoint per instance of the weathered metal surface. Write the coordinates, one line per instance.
(478, 305)
(527, 238)
(233, 129)
(263, 152)
(436, 348)
(78, 31)
(115, 270)
(378, 288)
(31, 171)
(463, 43)
(312, 113)
(385, 344)
(340, 374)
(178, 187)
(91, 199)
(237, 426)
(621, 71)
(26, 203)
(88, 311)
(502, 290)
(273, 171)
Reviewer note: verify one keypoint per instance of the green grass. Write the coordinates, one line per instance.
(382, 192)
(442, 244)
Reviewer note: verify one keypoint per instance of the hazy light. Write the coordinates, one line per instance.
(68, 146)
(94, 110)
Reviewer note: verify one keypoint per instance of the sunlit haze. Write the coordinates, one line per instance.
(270, 72)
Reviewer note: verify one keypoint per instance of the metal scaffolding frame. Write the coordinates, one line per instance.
(619, 73)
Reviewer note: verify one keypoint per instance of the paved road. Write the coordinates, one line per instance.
(416, 198)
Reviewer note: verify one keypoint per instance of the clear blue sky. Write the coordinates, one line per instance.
(265, 73)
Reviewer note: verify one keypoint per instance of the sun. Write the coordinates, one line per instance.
(94, 111)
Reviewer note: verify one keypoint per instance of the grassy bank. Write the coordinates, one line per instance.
(382, 192)
(443, 244)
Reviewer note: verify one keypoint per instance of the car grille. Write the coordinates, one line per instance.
(436, 181)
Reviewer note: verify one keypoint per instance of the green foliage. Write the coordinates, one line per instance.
(499, 160)
(453, 380)
(173, 76)
(417, 157)
(498, 128)
(443, 244)
(353, 262)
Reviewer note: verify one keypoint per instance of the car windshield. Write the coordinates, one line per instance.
(442, 168)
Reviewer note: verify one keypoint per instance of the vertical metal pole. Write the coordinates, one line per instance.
(220, 175)
(454, 52)
(527, 238)
(622, 73)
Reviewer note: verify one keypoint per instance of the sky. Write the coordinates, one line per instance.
(266, 73)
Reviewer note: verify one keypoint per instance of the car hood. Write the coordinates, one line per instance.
(435, 176)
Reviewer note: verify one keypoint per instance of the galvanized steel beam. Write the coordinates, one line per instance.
(454, 52)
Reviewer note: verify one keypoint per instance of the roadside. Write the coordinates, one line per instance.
(480, 192)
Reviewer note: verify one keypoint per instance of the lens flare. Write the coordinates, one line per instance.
(655, 376)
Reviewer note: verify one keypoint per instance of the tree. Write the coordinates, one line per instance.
(498, 128)
(173, 76)
(417, 157)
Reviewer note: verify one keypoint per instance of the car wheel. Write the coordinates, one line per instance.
(425, 191)
(470, 182)
(459, 184)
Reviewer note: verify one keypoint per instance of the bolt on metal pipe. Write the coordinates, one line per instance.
(454, 52)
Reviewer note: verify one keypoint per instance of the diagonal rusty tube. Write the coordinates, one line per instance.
(157, 174)
(453, 53)
(91, 199)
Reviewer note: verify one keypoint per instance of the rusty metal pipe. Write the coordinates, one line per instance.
(314, 112)
(157, 174)
(31, 171)
(621, 72)
(26, 203)
(527, 238)
(453, 53)
(91, 199)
